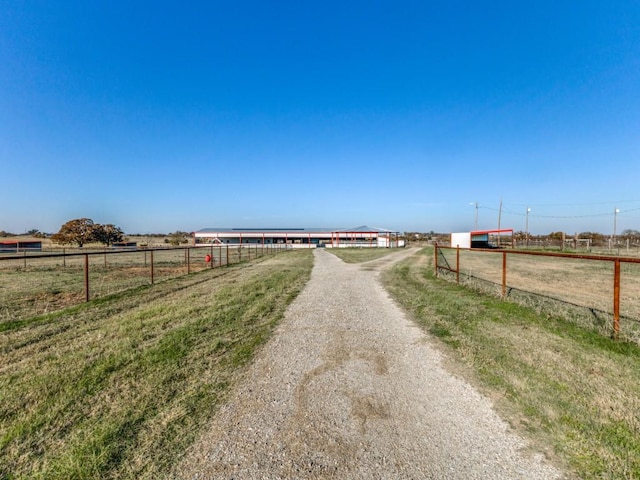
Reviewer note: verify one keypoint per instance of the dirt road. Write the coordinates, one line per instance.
(348, 387)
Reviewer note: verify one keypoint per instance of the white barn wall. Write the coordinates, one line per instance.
(462, 239)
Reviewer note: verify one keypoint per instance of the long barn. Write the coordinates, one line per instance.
(362, 236)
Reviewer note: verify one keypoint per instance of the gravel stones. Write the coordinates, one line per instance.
(348, 387)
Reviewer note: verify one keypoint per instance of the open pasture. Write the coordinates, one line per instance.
(579, 288)
(38, 284)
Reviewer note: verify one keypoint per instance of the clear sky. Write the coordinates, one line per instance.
(159, 116)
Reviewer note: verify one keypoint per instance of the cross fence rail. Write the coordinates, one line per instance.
(592, 282)
(36, 283)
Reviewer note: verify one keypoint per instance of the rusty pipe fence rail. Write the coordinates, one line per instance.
(608, 287)
(36, 283)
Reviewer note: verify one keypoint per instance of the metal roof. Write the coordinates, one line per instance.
(364, 229)
(267, 230)
(360, 229)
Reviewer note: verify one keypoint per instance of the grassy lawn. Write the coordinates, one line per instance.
(120, 386)
(359, 255)
(569, 389)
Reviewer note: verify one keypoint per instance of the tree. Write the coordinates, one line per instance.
(107, 234)
(178, 237)
(78, 231)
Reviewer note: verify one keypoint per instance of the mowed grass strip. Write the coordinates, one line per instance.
(360, 255)
(119, 387)
(567, 388)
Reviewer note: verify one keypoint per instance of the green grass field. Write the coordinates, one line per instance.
(574, 391)
(120, 386)
(34, 286)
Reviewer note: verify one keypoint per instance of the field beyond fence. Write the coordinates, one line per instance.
(37, 283)
(598, 292)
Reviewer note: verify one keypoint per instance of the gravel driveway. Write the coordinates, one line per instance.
(348, 387)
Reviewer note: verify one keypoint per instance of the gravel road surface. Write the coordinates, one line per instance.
(348, 387)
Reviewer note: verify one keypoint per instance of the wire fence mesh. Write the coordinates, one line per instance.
(580, 288)
(32, 283)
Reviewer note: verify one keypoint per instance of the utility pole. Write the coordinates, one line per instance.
(527, 227)
(475, 225)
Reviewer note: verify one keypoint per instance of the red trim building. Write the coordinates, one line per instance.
(363, 236)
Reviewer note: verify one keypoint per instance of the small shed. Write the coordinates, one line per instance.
(481, 238)
(15, 246)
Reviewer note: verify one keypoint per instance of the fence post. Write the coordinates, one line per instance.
(212, 262)
(25, 259)
(435, 262)
(504, 275)
(616, 298)
(458, 264)
(64, 257)
(188, 260)
(151, 261)
(86, 277)
(226, 261)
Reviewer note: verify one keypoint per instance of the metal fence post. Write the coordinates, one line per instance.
(504, 275)
(616, 298)
(151, 261)
(86, 277)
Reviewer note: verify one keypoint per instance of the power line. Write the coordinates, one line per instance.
(585, 204)
(591, 215)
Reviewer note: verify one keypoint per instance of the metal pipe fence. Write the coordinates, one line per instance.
(37, 283)
(596, 291)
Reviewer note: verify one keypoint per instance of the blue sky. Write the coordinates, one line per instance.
(163, 116)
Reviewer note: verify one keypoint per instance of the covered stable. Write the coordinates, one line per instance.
(482, 238)
(362, 236)
(15, 246)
